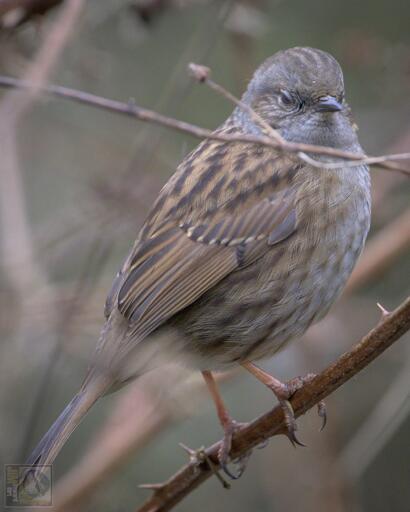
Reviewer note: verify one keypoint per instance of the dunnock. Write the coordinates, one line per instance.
(244, 248)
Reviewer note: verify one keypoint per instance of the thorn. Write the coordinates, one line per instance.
(151, 487)
(195, 456)
(200, 456)
(187, 449)
(383, 310)
(200, 73)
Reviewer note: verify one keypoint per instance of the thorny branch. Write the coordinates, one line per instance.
(142, 114)
(391, 327)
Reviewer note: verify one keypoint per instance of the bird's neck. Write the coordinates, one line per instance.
(242, 120)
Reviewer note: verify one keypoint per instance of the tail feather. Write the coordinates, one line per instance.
(54, 439)
(59, 432)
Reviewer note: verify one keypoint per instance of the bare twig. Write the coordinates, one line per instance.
(142, 114)
(201, 73)
(272, 423)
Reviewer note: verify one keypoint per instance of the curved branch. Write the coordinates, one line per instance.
(182, 483)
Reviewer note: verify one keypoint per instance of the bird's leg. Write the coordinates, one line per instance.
(228, 424)
(283, 392)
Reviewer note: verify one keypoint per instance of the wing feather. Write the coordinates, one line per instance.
(179, 263)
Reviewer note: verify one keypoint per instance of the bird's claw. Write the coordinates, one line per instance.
(290, 422)
(283, 392)
(321, 406)
(223, 454)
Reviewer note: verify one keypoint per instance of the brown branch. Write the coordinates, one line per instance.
(130, 109)
(14, 13)
(16, 240)
(189, 477)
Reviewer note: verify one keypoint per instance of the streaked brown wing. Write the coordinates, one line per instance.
(179, 262)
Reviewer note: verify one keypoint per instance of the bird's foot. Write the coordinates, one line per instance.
(283, 392)
(297, 383)
(230, 428)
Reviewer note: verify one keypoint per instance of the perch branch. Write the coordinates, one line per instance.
(189, 477)
(130, 109)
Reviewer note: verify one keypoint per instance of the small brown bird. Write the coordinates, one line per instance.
(244, 248)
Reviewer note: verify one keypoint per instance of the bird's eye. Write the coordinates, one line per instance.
(286, 98)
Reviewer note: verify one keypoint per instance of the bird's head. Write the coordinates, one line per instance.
(300, 92)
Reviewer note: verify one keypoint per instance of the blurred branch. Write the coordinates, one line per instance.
(130, 109)
(25, 275)
(175, 91)
(382, 249)
(390, 412)
(391, 327)
(14, 13)
(16, 240)
(82, 289)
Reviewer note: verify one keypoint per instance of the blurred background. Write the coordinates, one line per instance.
(76, 184)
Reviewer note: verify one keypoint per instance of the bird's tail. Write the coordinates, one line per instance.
(59, 432)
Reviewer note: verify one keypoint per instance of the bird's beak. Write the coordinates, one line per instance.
(328, 104)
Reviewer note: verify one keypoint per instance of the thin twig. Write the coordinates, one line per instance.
(189, 477)
(201, 74)
(371, 160)
(142, 114)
